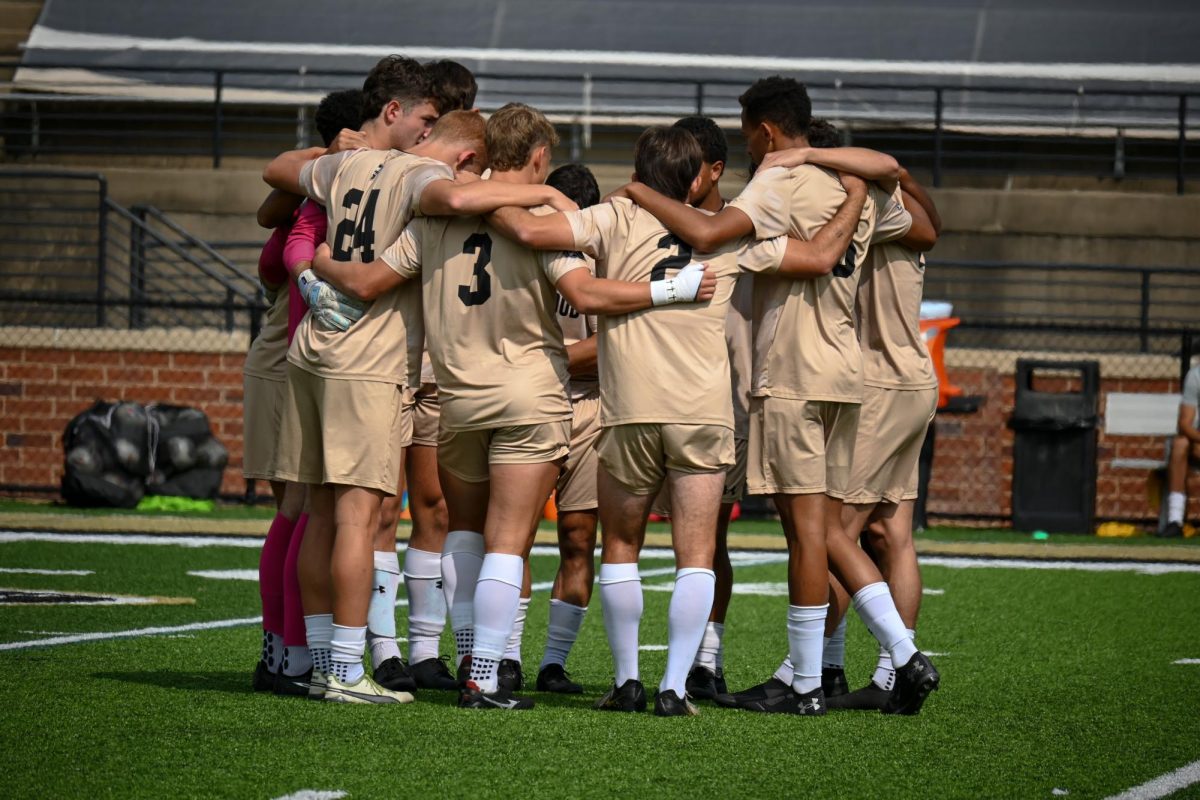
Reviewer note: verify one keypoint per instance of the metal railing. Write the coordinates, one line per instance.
(76, 258)
(1104, 131)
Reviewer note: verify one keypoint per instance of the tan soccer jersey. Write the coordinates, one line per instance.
(805, 344)
(370, 195)
(668, 364)
(267, 356)
(575, 328)
(889, 318)
(496, 348)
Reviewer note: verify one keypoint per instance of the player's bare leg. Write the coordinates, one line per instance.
(518, 495)
(623, 532)
(569, 597)
(462, 556)
(356, 521)
(1183, 450)
(423, 569)
(695, 504)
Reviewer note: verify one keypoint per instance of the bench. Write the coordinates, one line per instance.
(1144, 414)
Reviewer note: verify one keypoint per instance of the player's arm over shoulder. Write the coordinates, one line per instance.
(399, 263)
(704, 232)
(450, 197)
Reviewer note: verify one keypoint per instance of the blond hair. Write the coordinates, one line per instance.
(514, 132)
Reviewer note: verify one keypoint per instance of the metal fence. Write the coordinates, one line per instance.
(1122, 132)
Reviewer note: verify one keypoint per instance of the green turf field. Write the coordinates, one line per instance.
(1052, 680)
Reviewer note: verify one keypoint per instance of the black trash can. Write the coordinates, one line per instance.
(1054, 449)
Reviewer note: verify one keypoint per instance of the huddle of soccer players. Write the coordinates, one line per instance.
(489, 342)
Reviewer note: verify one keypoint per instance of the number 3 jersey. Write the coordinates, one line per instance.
(667, 364)
(369, 197)
(493, 337)
(805, 345)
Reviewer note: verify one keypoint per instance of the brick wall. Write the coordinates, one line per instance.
(973, 464)
(42, 389)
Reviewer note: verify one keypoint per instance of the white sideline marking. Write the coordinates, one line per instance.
(314, 794)
(226, 574)
(932, 654)
(96, 637)
(652, 647)
(1187, 661)
(43, 37)
(1163, 785)
(1139, 567)
(933, 592)
(18, 571)
(1060, 792)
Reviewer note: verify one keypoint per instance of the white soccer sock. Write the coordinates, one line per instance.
(876, 608)
(785, 672)
(565, 621)
(709, 654)
(272, 649)
(885, 674)
(318, 629)
(346, 650)
(497, 598)
(462, 558)
(687, 616)
(621, 597)
(297, 660)
(513, 651)
(426, 603)
(1176, 504)
(805, 624)
(381, 613)
(833, 655)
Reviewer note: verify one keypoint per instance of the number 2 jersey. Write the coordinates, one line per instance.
(669, 364)
(490, 315)
(369, 196)
(805, 344)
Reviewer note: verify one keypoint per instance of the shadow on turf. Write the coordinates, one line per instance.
(231, 682)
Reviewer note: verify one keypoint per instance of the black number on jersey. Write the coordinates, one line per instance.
(846, 268)
(671, 262)
(356, 232)
(565, 309)
(481, 244)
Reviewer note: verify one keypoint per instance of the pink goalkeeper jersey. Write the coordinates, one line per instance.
(307, 233)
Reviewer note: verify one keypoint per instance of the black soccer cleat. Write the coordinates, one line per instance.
(432, 673)
(502, 699)
(809, 704)
(868, 698)
(630, 696)
(509, 675)
(553, 678)
(702, 684)
(833, 682)
(1172, 530)
(292, 685)
(914, 681)
(395, 675)
(264, 679)
(773, 687)
(669, 704)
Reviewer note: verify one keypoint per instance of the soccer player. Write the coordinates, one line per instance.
(575, 492)
(666, 410)
(501, 369)
(804, 411)
(285, 666)
(1185, 450)
(453, 87)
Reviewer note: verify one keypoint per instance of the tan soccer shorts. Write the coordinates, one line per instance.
(891, 430)
(735, 482)
(638, 455)
(800, 446)
(468, 454)
(427, 413)
(576, 490)
(347, 432)
(262, 412)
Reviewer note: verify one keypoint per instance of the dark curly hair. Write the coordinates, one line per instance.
(782, 101)
(337, 110)
(395, 78)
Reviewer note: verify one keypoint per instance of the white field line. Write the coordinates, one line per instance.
(76, 638)
(19, 571)
(933, 592)
(1139, 567)
(1187, 661)
(225, 574)
(652, 647)
(314, 794)
(1163, 785)
(43, 37)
